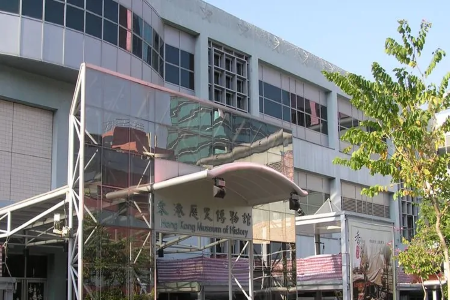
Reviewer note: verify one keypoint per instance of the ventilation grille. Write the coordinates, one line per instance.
(364, 207)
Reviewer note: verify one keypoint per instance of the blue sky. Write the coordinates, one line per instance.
(348, 33)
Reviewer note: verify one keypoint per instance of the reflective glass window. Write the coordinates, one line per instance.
(111, 10)
(172, 55)
(110, 32)
(74, 18)
(93, 25)
(261, 104)
(125, 17)
(287, 113)
(125, 39)
(272, 92)
(137, 25)
(172, 74)
(272, 109)
(32, 8)
(11, 6)
(285, 97)
(79, 3)
(187, 79)
(54, 12)
(95, 6)
(187, 60)
(155, 40)
(161, 47)
(261, 88)
(147, 53)
(137, 46)
(155, 60)
(323, 112)
(148, 33)
(161, 67)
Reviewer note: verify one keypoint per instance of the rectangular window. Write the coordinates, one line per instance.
(137, 46)
(137, 25)
(93, 25)
(95, 6)
(155, 60)
(31, 8)
(272, 92)
(75, 18)
(11, 6)
(187, 60)
(172, 74)
(229, 64)
(172, 55)
(187, 79)
(228, 82)
(110, 32)
(148, 33)
(54, 12)
(147, 53)
(272, 109)
(111, 10)
(125, 17)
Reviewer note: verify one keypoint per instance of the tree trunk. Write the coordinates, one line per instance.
(444, 246)
(425, 296)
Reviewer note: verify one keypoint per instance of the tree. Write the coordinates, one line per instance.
(423, 257)
(401, 138)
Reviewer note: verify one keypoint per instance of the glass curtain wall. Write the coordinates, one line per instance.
(128, 125)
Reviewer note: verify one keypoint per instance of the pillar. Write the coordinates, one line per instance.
(201, 61)
(254, 86)
(332, 112)
(346, 268)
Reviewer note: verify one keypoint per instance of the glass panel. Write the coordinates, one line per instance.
(323, 112)
(287, 113)
(125, 39)
(172, 55)
(125, 17)
(272, 92)
(147, 53)
(79, 3)
(155, 60)
(285, 97)
(31, 8)
(110, 32)
(54, 12)
(172, 74)
(187, 60)
(137, 46)
(111, 10)
(272, 109)
(36, 290)
(75, 18)
(11, 6)
(95, 6)
(148, 33)
(93, 25)
(155, 40)
(138, 25)
(187, 79)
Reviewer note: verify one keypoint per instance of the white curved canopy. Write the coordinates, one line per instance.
(255, 184)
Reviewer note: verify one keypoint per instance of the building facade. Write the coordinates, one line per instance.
(196, 49)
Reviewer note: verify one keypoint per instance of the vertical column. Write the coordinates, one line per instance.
(332, 110)
(346, 269)
(335, 191)
(230, 271)
(201, 67)
(254, 86)
(250, 269)
(201, 294)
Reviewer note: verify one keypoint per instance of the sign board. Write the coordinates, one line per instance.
(213, 219)
(371, 261)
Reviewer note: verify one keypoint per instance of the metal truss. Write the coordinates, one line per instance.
(249, 292)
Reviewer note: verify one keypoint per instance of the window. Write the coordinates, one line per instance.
(187, 60)
(74, 18)
(32, 8)
(111, 10)
(172, 74)
(229, 81)
(292, 108)
(110, 32)
(147, 53)
(79, 3)
(148, 33)
(138, 25)
(11, 6)
(93, 25)
(137, 46)
(179, 63)
(124, 39)
(173, 55)
(95, 6)
(54, 12)
(125, 17)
